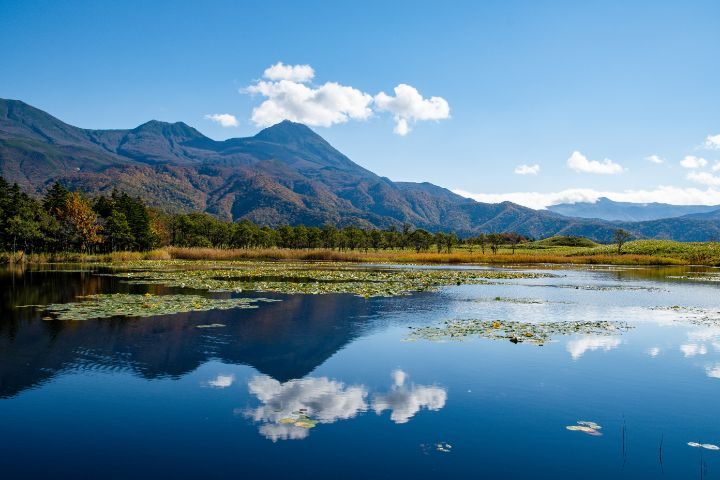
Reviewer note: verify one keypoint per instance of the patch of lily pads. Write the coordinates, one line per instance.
(515, 331)
(139, 305)
(315, 279)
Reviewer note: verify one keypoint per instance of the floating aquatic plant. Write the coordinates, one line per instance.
(514, 331)
(147, 305)
(314, 278)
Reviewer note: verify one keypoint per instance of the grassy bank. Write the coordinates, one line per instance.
(640, 252)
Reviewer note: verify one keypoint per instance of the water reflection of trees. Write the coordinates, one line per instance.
(288, 410)
(285, 340)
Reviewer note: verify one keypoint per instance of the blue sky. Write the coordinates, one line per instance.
(526, 83)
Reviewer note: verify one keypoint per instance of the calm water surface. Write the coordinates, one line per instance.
(121, 398)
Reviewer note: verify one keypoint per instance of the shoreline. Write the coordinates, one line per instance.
(523, 256)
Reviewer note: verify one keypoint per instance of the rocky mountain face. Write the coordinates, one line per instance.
(286, 174)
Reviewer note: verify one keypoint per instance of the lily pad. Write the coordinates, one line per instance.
(135, 305)
(319, 278)
(514, 331)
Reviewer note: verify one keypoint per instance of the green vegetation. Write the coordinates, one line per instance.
(136, 305)
(315, 278)
(66, 227)
(563, 241)
(514, 331)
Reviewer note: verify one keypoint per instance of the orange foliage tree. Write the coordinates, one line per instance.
(79, 215)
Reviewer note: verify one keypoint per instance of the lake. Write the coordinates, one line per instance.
(458, 382)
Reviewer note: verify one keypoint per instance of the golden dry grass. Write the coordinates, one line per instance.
(405, 256)
(564, 255)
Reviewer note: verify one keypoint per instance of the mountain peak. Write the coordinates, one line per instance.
(179, 130)
(288, 132)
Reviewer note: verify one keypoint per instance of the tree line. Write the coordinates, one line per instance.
(69, 221)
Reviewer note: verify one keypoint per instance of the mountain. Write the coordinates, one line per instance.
(286, 174)
(607, 209)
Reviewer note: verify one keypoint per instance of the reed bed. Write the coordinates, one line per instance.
(694, 254)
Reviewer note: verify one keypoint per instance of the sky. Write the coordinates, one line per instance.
(537, 102)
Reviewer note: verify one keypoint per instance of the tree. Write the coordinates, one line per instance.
(620, 236)
(495, 240)
(451, 239)
(54, 200)
(118, 232)
(482, 240)
(439, 241)
(421, 239)
(82, 219)
(513, 238)
(24, 229)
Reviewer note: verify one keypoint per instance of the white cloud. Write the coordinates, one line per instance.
(224, 119)
(713, 371)
(404, 402)
(409, 106)
(704, 178)
(662, 194)
(323, 106)
(713, 142)
(691, 161)
(692, 349)
(294, 73)
(527, 169)
(578, 347)
(655, 159)
(580, 163)
(716, 167)
(289, 95)
(222, 381)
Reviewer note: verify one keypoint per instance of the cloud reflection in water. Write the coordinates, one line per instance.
(288, 410)
(578, 347)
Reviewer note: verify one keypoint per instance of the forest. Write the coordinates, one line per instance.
(69, 221)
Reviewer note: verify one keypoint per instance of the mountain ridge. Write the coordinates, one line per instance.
(285, 174)
(606, 209)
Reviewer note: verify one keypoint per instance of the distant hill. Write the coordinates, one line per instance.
(607, 209)
(286, 174)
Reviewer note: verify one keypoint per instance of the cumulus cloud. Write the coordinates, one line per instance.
(580, 163)
(323, 106)
(408, 106)
(294, 73)
(290, 95)
(662, 194)
(655, 159)
(222, 381)
(578, 347)
(223, 119)
(404, 402)
(691, 161)
(712, 142)
(704, 178)
(716, 167)
(527, 169)
(653, 351)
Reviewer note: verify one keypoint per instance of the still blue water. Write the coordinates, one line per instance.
(158, 397)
